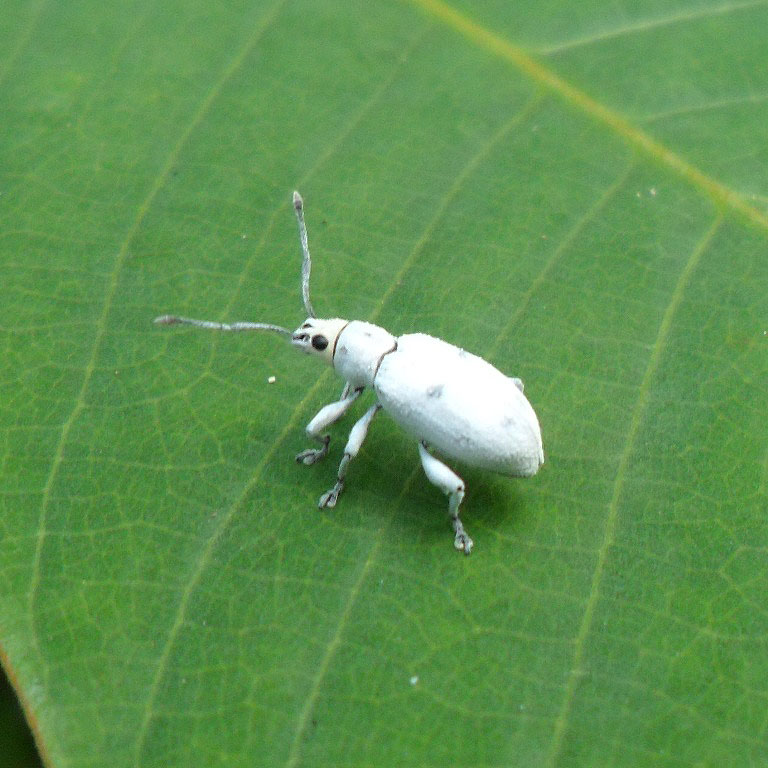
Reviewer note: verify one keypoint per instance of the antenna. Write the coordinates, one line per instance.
(306, 267)
(306, 264)
(175, 320)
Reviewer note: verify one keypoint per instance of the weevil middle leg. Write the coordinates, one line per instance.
(357, 435)
(327, 415)
(453, 486)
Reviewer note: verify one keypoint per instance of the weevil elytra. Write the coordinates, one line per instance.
(449, 400)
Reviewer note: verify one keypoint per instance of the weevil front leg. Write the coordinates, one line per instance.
(327, 415)
(356, 437)
(451, 484)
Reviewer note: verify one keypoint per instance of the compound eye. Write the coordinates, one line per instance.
(319, 342)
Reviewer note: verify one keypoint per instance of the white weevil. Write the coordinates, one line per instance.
(449, 400)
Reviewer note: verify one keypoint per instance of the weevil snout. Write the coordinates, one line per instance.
(318, 337)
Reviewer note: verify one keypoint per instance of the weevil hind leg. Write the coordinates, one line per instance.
(327, 415)
(453, 486)
(357, 435)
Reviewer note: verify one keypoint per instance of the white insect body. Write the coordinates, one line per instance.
(461, 405)
(448, 399)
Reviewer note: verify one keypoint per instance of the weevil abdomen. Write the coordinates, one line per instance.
(460, 404)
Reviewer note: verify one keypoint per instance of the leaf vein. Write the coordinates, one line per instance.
(450, 194)
(707, 106)
(225, 520)
(110, 293)
(294, 755)
(647, 25)
(609, 534)
(484, 38)
(558, 252)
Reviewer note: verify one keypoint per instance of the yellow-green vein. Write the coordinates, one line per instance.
(723, 196)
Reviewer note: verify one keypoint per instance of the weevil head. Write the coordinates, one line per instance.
(318, 337)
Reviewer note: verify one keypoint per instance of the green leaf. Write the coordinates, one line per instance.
(574, 191)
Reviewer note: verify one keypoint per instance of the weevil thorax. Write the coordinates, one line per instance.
(359, 350)
(318, 337)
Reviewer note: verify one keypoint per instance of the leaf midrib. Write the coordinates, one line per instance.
(722, 195)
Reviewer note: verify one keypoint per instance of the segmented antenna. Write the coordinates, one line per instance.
(175, 320)
(306, 265)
